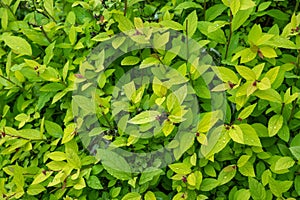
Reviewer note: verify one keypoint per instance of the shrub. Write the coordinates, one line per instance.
(149, 100)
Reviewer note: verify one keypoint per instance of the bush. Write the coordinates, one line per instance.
(149, 100)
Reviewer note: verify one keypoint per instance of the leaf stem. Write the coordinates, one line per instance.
(230, 35)
(45, 34)
(125, 7)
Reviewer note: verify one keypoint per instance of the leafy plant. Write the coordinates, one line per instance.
(149, 100)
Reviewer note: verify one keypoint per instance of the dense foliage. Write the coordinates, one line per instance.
(149, 99)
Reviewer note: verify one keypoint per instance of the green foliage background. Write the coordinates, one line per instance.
(255, 155)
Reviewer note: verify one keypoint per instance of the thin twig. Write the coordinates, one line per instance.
(125, 7)
(45, 34)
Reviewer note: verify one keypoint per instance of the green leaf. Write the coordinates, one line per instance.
(84, 103)
(149, 174)
(50, 74)
(30, 134)
(279, 187)
(94, 183)
(130, 60)
(80, 184)
(180, 168)
(4, 19)
(114, 192)
(297, 184)
(171, 24)
(240, 18)
(167, 127)
(69, 133)
(132, 196)
(226, 74)
(144, 117)
(49, 53)
(129, 89)
(52, 87)
(35, 189)
(289, 98)
(42, 177)
(257, 190)
(124, 23)
(246, 4)
(187, 4)
(72, 35)
(190, 24)
(186, 140)
(57, 156)
(272, 74)
(246, 112)
(150, 196)
(208, 120)
(214, 11)
(235, 6)
(115, 164)
(73, 159)
(48, 4)
(268, 52)
(217, 141)
(295, 147)
(149, 62)
(274, 125)
(226, 174)
(254, 34)
(247, 169)
(264, 84)
(284, 163)
(244, 134)
(263, 6)
(191, 179)
(246, 73)
(243, 160)
(18, 45)
(160, 40)
(53, 129)
(209, 184)
(242, 194)
(269, 95)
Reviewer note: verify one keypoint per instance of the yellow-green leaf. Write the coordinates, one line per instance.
(247, 111)
(130, 60)
(18, 45)
(274, 125)
(180, 168)
(144, 117)
(268, 52)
